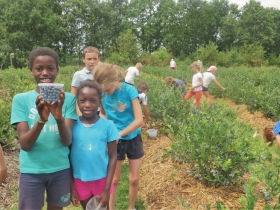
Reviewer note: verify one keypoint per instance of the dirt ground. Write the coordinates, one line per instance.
(163, 183)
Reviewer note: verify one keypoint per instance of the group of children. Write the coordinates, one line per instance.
(51, 134)
(72, 128)
(199, 85)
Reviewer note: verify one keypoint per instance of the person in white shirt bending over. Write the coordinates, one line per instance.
(132, 72)
(172, 65)
(208, 77)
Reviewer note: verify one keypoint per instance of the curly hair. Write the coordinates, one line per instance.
(90, 84)
(42, 51)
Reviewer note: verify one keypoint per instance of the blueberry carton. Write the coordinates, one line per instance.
(50, 91)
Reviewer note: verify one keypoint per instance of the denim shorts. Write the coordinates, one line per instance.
(32, 189)
(133, 148)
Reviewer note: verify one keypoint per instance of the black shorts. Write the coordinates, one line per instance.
(204, 88)
(132, 148)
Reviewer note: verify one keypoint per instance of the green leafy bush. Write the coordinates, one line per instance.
(215, 145)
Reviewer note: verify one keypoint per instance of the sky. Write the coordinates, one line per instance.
(264, 3)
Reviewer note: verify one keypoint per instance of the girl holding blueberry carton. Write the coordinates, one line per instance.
(45, 132)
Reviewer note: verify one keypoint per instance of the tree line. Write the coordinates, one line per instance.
(124, 30)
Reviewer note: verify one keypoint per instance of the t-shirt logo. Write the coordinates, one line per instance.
(65, 198)
(121, 107)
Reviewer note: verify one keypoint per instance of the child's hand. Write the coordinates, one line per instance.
(74, 198)
(189, 85)
(224, 89)
(42, 108)
(56, 108)
(104, 198)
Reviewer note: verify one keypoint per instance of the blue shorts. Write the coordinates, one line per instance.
(132, 148)
(32, 188)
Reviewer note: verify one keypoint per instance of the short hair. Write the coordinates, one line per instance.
(143, 86)
(42, 51)
(90, 84)
(268, 136)
(196, 66)
(139, 65)
(90, 49)
(105, 73)
(169, 80)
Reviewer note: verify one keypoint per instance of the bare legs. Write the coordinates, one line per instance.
(207, 96)
(134, 176)
(115, 181)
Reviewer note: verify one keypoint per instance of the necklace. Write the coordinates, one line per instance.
(88, 125)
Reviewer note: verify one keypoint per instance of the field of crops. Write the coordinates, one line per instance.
(217, 146)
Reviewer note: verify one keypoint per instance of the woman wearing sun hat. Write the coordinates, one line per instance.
(208, 77)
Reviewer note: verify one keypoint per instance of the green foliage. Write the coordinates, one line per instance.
(253, 54)
(215, 146)
(183, 28)
(208, 54)
(255, 87)
(160, 58)
(125, 50)
(40, 26)
(248, 201)
(257, 25)
(229, 58)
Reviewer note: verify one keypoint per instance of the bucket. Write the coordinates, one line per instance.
(93, 204)
(152, 133)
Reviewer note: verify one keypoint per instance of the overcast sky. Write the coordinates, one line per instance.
(264, 3)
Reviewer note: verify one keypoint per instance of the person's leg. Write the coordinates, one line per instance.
(134, 153)
(115, 182)
(198, 95)
(58, 189)
(189, 95)
(31, 191)
(134, 177)
(53, 207)
(207, 96)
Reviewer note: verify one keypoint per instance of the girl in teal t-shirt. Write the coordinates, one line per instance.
(120, 104)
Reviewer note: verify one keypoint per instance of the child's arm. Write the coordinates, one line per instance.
(64, 125)
(3, 167)
(138, 118)
(278, 140)
(112, 152)
(74, 197)
(146, 112)
(27, 138)
(219, 85)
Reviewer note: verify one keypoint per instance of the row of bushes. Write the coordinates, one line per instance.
(214, 146)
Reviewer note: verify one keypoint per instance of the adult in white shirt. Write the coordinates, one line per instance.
(208, 77)
(172, 65)
(132, 72)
